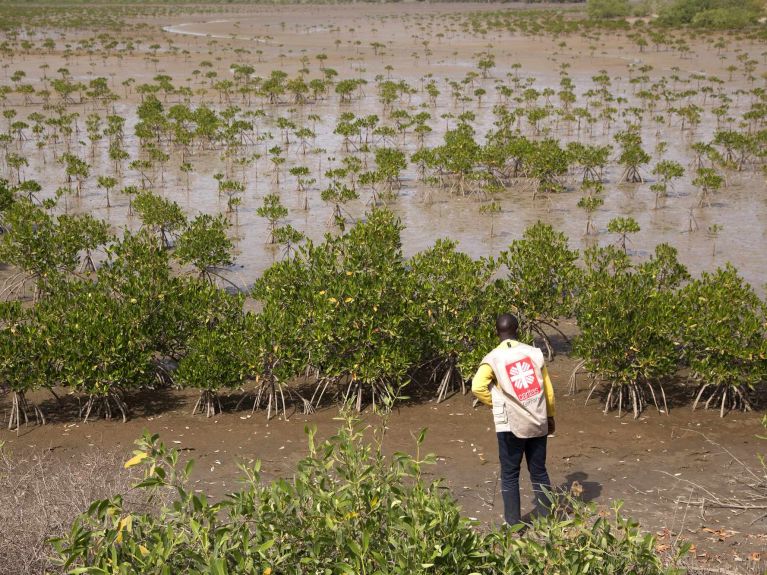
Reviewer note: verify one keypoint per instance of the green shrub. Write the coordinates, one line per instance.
(711, 13)
(722, 331)
(454, 294)
(542, 279)
(626, 315)
(577, 538)
(600, 9)
(348, 509)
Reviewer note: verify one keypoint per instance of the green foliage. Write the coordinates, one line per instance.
(205, 244)
(458, 304)
(347, 509)
(627, 319)
(716, 14)
(722, 330)
(709, 182)
(273, 210)
(347, 303)
(542, 278)
(216, 358)
(579, 539)
(547, 162)
(100, 346)
(163, 217)
(601, 9)
(46, 246)
(623, 226)
(632, 156)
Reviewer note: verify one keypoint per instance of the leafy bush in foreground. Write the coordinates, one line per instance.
(348, 509)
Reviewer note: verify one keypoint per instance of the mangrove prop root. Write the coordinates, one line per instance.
(102, 404)
(725, 397)
(20, 408)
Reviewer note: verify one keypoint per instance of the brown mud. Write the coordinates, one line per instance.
(660, 465)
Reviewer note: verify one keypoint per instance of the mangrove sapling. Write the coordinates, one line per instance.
(338, 193)
(44, 246)
(344, 311)
(107, 183)
(205, 244)
(452, 291)
(623, 226)
(164, 217)
(713, 233)
(592, 160)
(20, 371)
(216, 359)
(591, 202)
(274, 212)
(542, 280)
(389, 164)
(101, 345)
(627, 315)
(722, 334)
(491, 208)
(289, 237)
(708, 182)
(546, 162)
(456, 159)
(632, 156)
(666, 171)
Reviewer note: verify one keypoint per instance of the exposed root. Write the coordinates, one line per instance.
(355, 392)
(320, 388)
(273, 393)
(449, 378)
(103, 406)
(727, 397)
(209, 402)
(20, 408)
(572, 383)
(632, 394)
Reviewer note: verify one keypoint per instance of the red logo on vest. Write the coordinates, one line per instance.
(523, 379)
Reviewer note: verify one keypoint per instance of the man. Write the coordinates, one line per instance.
(515, 383)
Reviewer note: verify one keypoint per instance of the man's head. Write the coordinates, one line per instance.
(507, 326)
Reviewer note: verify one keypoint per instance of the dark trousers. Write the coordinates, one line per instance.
(511, 449)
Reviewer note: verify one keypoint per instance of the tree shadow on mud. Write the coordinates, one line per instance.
(66, 407)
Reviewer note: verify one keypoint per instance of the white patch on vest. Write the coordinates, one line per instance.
(523, 379)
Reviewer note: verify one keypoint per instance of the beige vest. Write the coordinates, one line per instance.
(519, 401)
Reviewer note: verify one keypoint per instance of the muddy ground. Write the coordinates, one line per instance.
(659, 465)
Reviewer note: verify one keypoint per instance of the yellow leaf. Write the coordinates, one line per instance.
(126, 523)
(332, 300)
(348, 299)
(268, 571)
(135, 460)
(348, 273)
(144, 551)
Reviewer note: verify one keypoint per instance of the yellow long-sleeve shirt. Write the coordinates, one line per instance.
(480, 385)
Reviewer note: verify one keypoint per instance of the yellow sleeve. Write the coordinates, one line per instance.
(548, 390)
(480, 385)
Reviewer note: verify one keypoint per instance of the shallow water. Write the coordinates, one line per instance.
(427, 214)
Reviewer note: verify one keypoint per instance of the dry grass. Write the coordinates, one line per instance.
(40, 496)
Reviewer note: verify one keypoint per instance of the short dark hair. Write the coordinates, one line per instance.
(507, 323)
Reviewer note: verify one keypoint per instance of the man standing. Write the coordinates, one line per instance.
(515, 383)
